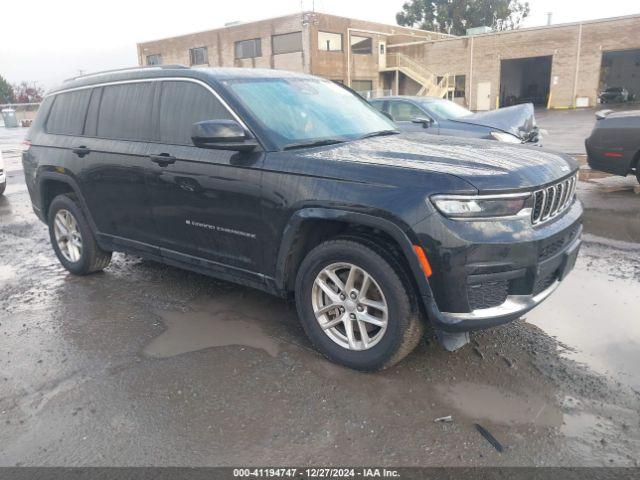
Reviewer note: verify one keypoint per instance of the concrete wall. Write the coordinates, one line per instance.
(575, 48)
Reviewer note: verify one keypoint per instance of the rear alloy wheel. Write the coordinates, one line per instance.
(67, 235)
(72, 238)
(356, 305)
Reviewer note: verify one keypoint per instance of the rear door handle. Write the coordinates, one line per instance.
(81, 151)
(163, 159)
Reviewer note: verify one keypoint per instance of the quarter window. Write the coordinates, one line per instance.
(248, 48)
(361, 45)
(404, 111)
(330, 42)
(68, 113)
(155, 59)
(125, 112)
(181, 105)
(199, 56)
(287, 43)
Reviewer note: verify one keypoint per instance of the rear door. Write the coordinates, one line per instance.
(118, 131)
(206, 202)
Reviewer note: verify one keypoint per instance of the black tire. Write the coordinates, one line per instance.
(93, 258)
(2, 187)
(404, 326)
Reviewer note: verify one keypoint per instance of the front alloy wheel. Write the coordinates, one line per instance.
(349, 306)
(356, 304)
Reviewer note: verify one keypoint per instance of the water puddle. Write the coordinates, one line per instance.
(215, 322)
(597, 315)
(481, 401)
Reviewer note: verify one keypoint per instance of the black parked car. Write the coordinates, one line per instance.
(614, 144)
(615, 95)
(515, 124)
(294, 185)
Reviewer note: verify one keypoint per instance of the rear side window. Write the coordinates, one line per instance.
(68, 113)
(181, 105)
(125, 112)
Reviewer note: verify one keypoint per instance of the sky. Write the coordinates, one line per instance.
(58, 39)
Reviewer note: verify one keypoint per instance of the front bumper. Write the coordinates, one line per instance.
(491, 273)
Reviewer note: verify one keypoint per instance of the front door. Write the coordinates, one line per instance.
(206, 203)
(382, 54)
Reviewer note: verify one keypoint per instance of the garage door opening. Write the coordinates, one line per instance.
(621, 70)
(525, 80)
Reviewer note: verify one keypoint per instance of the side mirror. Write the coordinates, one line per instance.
(222, 135)
(426, 122)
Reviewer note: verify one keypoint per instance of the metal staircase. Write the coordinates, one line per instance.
(420, 74)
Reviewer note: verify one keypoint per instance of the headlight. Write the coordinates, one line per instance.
(505, 137)
(485, 207)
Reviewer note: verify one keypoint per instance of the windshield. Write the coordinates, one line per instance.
(446, 109)
(306, 110)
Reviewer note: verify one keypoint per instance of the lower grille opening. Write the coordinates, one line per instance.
(544, 282)
(487, 295)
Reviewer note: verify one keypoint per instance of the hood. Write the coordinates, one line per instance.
(487, 165)
(518, 120)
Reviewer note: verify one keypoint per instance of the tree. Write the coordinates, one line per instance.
(25, 92)
(6, 91)
(456, 16)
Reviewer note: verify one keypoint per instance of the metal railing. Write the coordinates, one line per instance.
(421, 74)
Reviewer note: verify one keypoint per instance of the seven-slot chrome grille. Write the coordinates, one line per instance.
(550, 201)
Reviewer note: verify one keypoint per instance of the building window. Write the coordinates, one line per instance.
(460, 86)
(286, 43)
(361, 45)
(199, 56)
(456, 85)
(154, 59)
(249, 48)
(330, 42)
(362, 85)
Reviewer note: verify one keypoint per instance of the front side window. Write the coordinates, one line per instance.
(361, 45)
(125, 112)
(68, 113)
(330, 42)
(404, 111)
(297, 110)
(181, 105)
(155, 59)
(248, 48)
(199, 56)
(446, 109)
(287, 43)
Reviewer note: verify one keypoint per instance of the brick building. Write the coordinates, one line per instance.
(559, 66)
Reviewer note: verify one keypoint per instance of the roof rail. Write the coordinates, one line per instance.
(128, 69)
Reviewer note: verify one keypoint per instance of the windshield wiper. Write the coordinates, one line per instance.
(381, 133)
(313, 143)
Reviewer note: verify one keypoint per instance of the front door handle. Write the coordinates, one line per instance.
(163, 159)
(81, 151)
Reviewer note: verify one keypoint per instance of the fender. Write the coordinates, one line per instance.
(63, 178)
(356, 218)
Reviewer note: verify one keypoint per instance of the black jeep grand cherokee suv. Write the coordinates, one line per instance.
(294, 185)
